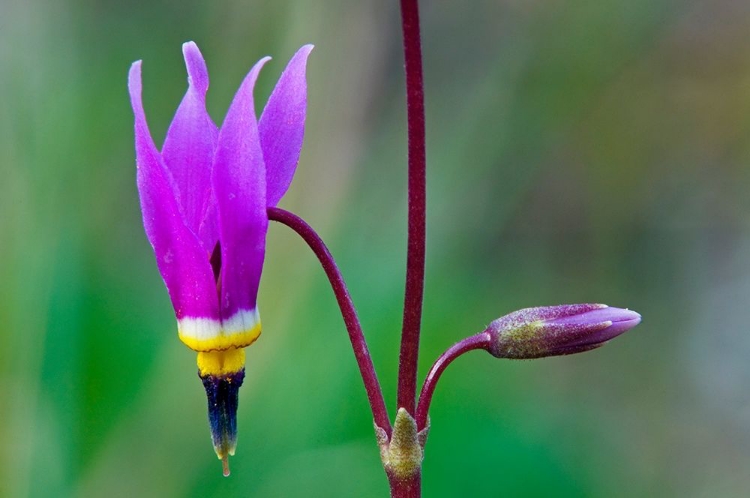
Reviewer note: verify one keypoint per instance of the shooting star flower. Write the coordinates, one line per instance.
(204, 198)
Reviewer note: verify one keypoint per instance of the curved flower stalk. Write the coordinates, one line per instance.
(204, 198)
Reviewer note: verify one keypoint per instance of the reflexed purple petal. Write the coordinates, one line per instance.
(239, 182)
(181, 260)
(282, 126)
(189, 149)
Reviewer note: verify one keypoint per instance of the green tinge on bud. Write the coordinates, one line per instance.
(402, 455)
(557, 330)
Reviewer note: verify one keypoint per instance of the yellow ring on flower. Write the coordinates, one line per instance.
(221, 363)
(209, 334)
(222, 342)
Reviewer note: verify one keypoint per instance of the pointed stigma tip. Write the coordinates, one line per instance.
(225, 465)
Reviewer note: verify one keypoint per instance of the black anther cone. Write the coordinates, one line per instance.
(222, 391)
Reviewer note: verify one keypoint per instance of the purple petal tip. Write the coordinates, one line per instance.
(622, 320)
(134, 78)
(196, 67)
(305, 49)
(604, 314)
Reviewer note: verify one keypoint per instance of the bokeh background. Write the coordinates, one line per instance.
(578, 151)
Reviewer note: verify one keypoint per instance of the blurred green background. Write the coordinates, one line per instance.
(578, 151)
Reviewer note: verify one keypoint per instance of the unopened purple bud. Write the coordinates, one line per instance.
(557, 330)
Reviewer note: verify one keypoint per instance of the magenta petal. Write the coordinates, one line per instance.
(239, 180)
(282, 126)
(183, 264)
(189, 149)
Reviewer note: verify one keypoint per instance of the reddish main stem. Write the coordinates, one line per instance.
(410, 487)
(415, 259)
(349, 313)
(479, 341)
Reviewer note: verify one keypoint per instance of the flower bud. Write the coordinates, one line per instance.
(557, 330)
